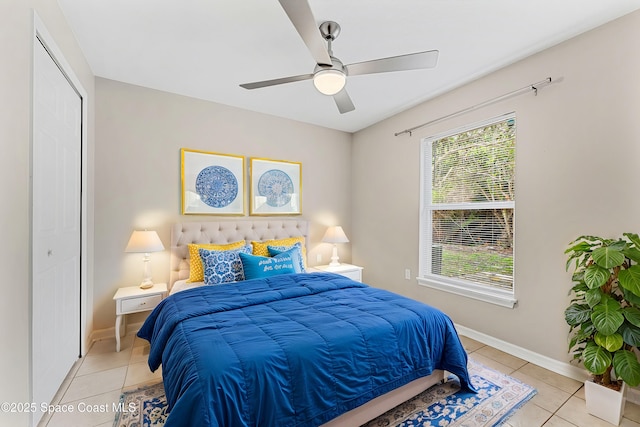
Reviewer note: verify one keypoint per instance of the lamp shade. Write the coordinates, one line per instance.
(335, 235)
(145, 242)
(329, 82)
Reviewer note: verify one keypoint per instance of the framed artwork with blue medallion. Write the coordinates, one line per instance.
(276, 187)
(212, 183)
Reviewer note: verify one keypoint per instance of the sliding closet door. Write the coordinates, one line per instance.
(56, 226)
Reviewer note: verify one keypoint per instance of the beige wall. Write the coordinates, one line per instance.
(578, 148)
(139, 133)
(16, 35)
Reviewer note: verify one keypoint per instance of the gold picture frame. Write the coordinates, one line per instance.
(212, 183)
(276, 187)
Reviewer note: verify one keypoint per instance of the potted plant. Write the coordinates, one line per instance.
(604, 318)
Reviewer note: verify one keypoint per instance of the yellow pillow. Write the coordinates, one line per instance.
(260, 248)
(196, 271)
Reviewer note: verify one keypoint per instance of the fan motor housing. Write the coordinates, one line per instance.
(336, 64)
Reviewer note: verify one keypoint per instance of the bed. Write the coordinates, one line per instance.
(305, 349)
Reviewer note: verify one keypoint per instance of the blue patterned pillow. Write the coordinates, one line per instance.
(298, 260)
(256, 266)
(223, 266)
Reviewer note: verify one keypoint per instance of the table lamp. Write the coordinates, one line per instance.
(145, 242)
(335, 235)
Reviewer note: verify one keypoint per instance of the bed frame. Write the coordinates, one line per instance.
(221, 232)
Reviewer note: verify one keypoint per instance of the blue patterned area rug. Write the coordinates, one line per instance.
(498, 397)
(146, 406)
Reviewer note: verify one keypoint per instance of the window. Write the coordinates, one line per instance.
(468, 209)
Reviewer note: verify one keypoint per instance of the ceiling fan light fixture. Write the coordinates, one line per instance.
(329, 82)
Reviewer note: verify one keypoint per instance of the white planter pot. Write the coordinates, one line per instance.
(605, 403)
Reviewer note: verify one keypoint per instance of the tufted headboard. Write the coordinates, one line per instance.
(221, 232)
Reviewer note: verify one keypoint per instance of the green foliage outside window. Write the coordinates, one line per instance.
(473, 191)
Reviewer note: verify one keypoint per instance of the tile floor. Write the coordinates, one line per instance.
(103, 374)
(98, 380)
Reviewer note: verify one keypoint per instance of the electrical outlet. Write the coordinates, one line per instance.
(407, 273)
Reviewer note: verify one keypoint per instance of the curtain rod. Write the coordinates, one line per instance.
(532, 87)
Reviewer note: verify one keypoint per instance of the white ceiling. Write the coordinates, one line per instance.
(206, 48)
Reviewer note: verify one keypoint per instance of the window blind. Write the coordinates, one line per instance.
(469, 204)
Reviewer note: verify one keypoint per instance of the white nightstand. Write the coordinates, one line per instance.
(353, 272)
(132, 299)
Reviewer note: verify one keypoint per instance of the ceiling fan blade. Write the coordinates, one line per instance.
(343, 101)
(412, 61)
(274, 82)
(301, 17)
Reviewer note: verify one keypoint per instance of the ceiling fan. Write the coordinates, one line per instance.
(330, 74)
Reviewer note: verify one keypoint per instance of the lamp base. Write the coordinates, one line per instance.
(146, 285)
(146, 278)
(334, 257)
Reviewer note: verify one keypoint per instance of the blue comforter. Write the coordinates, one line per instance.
(292, 350)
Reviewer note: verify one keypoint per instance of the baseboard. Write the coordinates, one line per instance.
(633, 395)
(562, 368)
(101, 334)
